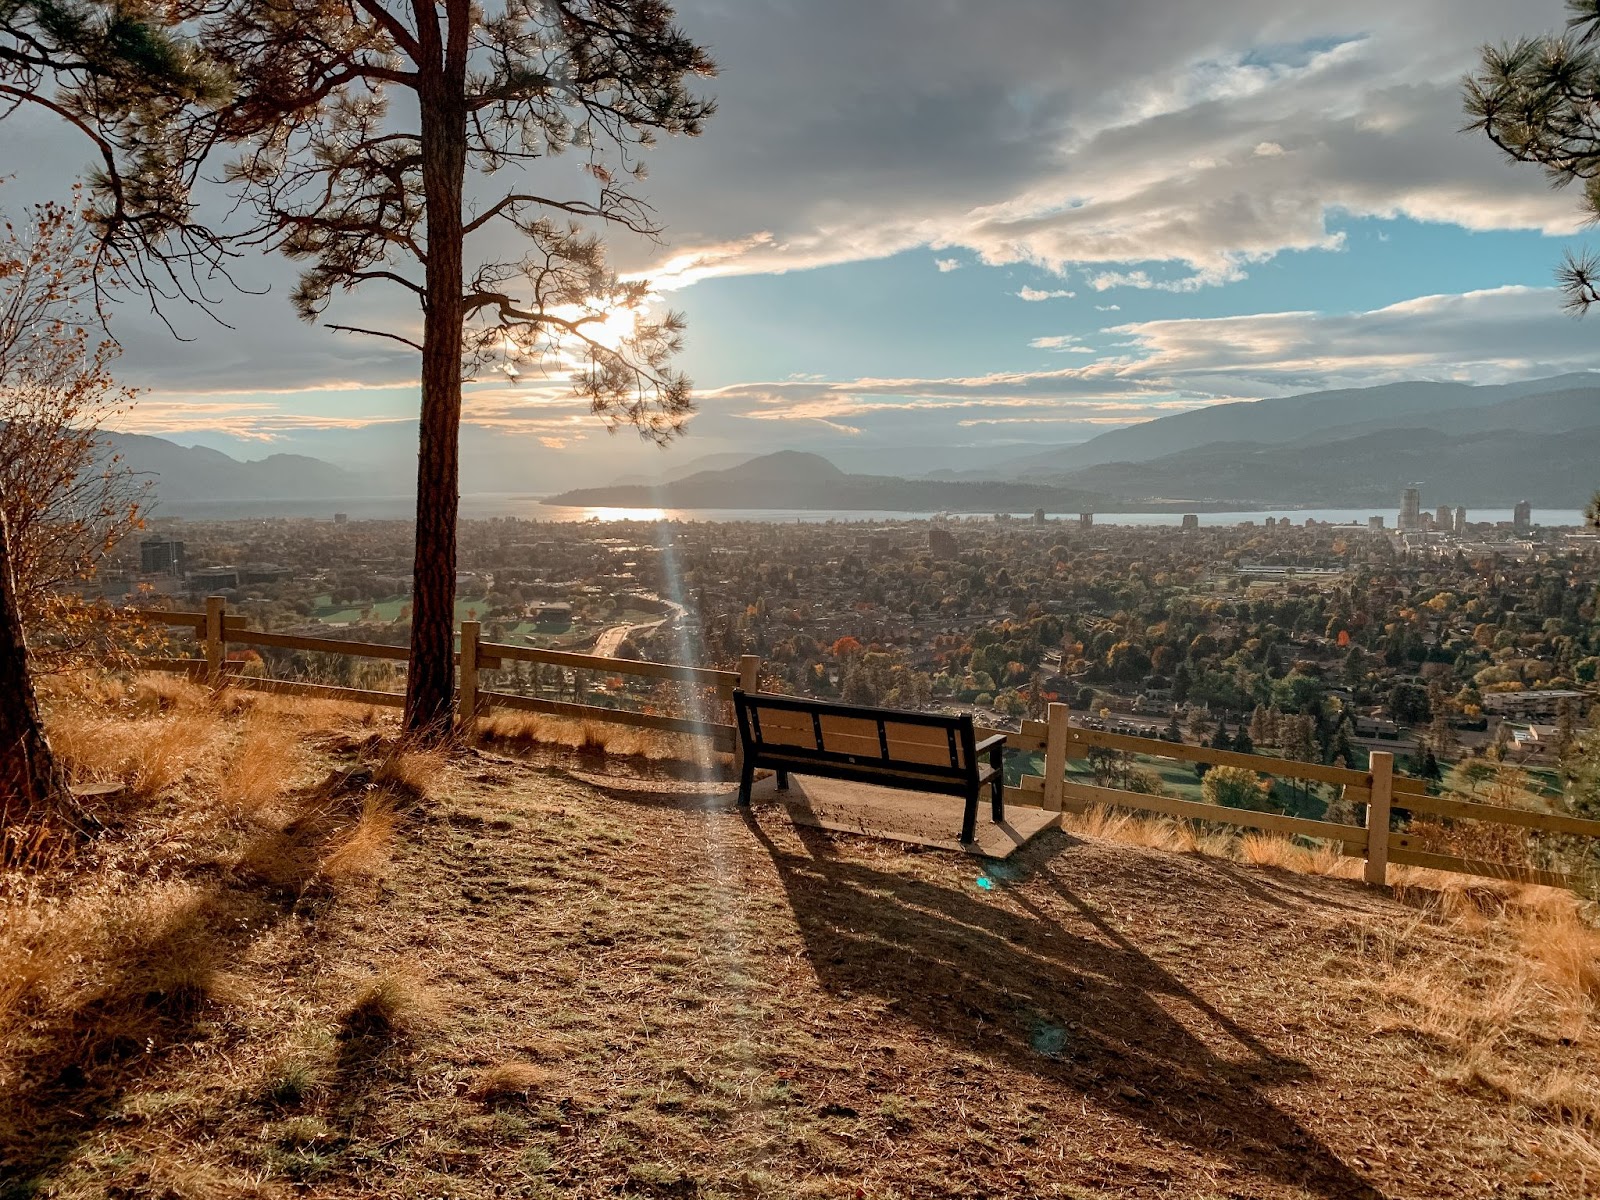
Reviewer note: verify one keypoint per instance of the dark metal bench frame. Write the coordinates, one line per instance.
(955, 779)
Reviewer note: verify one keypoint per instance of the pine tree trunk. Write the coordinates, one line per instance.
(430, 681)
(32, 784)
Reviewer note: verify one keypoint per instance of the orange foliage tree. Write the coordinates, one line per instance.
(63, 502)
(67, 499)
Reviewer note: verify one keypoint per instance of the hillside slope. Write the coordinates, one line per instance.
(1295, 418)
(186, 473)
(1497, 469)
(513, 982)
(790, 479)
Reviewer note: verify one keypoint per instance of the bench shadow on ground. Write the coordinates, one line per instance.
(1080, 1008)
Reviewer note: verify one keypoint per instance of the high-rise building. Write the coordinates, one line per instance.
(942, 543)
(1461, 521)
(1374, 522)
(1522, 517)
(1442, 520)
(1410, 511)
(161, 556)
(1086, 520)
(1191, 521)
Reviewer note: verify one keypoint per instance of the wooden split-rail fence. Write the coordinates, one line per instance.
(1377, 792)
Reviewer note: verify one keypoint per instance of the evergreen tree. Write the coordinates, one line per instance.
(1220, 740)
(1341, 749)
(1242, 741)
(362, 140)
(1181, 683)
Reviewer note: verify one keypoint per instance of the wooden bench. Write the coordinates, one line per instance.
(921, 752)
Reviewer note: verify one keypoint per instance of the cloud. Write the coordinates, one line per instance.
(1173, 365)
(1133, 145)
(1492, 335)
(947, 265)
(1034, 295)
(1062, 341)
(1207, 141)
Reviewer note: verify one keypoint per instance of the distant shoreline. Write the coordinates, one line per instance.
(537, 507)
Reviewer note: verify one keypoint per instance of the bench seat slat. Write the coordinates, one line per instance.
(945, 785)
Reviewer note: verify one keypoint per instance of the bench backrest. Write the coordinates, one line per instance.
(794, 728)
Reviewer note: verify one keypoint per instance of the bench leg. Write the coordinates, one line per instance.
(997, 801)
(969, 819)
(747, 779)
(783, 781)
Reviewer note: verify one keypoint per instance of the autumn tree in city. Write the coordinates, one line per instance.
(467, 157)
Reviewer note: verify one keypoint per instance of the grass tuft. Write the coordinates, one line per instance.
(390, 1006)
(509, 1081)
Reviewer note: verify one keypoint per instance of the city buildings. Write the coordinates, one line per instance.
(161, 556)
(1411, 511)
(1522, 517)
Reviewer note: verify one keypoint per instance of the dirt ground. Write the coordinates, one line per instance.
(619, 992)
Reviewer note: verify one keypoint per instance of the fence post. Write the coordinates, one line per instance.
(216, 647)
(1378, 806)
(749, 681)
(467, 694)
(1055, 756)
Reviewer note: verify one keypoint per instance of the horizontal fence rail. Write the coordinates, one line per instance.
(1376, 791)
(216, 630)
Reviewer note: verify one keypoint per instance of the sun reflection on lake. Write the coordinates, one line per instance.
(623, 514)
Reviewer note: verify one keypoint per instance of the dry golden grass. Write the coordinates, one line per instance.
(535, 731)
(409, 772)
(265, 761)
(509, 1081)
(361, 853)
(1189, 837)
(393, 1004)
(1565, 948)
(147, 756)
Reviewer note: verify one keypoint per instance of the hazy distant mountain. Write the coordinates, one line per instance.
(670, 474)
(791, 479)
(1487, 469)
(181, 474)
(1445, 407)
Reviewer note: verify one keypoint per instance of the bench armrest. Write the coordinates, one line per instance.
(989, 743)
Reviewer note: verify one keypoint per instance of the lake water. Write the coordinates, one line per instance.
(483, 505)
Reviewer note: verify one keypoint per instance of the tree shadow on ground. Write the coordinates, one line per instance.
(1080, 1008)
(160, 986)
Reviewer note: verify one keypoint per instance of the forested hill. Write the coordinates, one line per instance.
(808, 481)
(186, 473)
(1565, 402)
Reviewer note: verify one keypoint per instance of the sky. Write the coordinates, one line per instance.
(945, 225)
